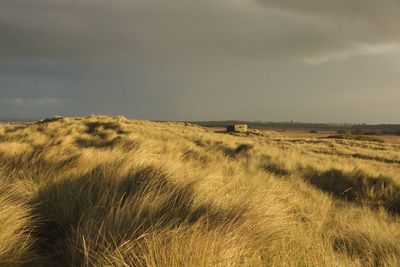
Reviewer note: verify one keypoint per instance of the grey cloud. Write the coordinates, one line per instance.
(154, 29)
(209, 59)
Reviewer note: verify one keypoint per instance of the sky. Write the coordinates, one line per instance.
(268, 60)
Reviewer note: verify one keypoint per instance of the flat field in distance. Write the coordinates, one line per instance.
(108, 191)
(393, 139)
(310, 133)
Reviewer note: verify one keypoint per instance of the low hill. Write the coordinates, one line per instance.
(108, 191)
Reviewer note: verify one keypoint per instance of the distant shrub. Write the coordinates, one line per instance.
(367, 132)
(341, 131)
(385, 132)
(356, 131)
(313, 131)
(372, 132)
(49, 120)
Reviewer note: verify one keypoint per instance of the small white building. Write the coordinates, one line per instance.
(237, 128)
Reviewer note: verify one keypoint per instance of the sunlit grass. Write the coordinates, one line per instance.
(102, 191)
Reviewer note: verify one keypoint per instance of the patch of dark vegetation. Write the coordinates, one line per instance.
(49, 120)
(254, 132)
(18, 136)
(15, 128)
(199, 143)
(97, 142)
(243, 148)
(358, 245)
(380, 159)
(360, 131)
(305, 141)
(357, 187)
(126, 144)
(356, 155)
(240, 150)
(97, 127)
(248, 133)
(36, 165)
(209, 143)
(190, 154)
(370, 132)
(356, 138)
(275, 168)
(111, 211)
(221, 132)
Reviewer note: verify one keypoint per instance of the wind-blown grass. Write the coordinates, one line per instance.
(107, 191)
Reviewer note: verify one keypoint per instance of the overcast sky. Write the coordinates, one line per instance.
(272, 60)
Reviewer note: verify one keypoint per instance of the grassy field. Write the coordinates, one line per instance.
(102, 191)
(310, 133)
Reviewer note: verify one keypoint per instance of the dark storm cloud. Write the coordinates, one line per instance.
(182, 59)
(59, 28)
(43, 28)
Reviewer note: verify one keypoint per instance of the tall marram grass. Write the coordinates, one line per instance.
(107, 191)
(16, 226)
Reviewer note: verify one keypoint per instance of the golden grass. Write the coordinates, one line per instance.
(107, 191)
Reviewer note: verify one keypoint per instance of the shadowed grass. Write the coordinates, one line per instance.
(113, 211)
(358, 187)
